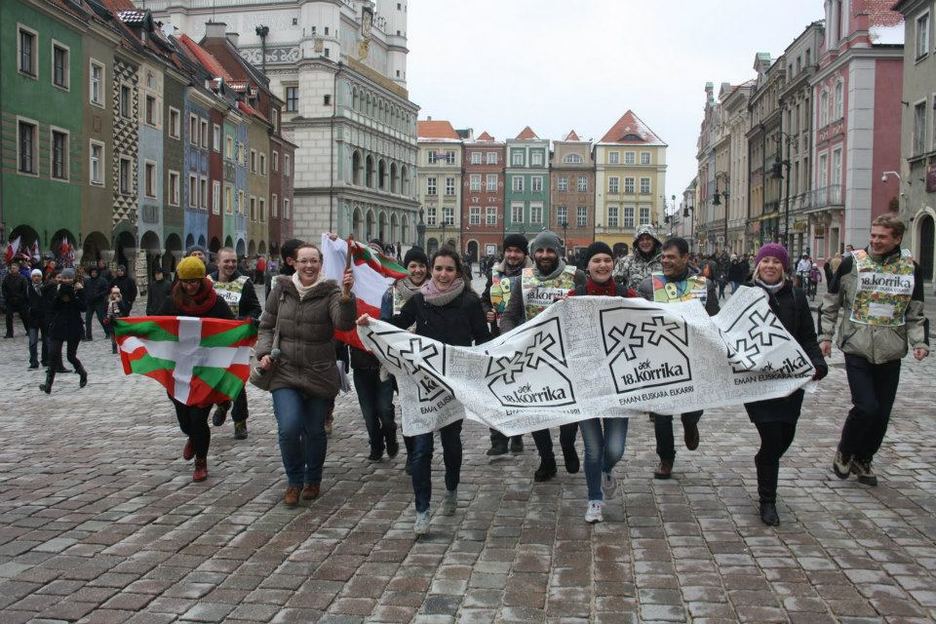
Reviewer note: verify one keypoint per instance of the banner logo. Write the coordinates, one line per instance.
(423, 360)
(646, 354)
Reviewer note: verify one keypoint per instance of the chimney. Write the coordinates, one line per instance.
(214, 30)
(429, 118)
(233, 37)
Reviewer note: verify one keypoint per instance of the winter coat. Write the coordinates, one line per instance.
(14, 291)
(460, 322)
(39, 304)
(876, 344)
(249, 305)
(64, 317)
(645, 290)
(632, 269)
(307, 336)
(738, 271)
(95, 292)
(791, 308)
(128, 288)
(156, 295)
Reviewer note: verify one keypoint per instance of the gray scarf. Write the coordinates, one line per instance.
(560, 267)
(433, 296)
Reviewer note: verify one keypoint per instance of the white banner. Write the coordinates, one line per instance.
(589, 357)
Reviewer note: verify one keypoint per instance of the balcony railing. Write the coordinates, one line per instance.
(827, 196)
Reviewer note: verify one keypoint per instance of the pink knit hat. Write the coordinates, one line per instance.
(776, 250)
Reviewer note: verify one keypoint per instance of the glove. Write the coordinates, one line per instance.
(821, 372)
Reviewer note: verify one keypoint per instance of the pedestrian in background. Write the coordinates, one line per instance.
(127, 286)
(95, 292)
(115, 308)
(65, 327)
(37, 312)
(157, 291)
(14, 295)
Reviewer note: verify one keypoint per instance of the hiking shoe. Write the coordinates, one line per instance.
(450, 503)
(188, 451)
(421, 525)
(545, 472)
(664, 471)
(46, 388)
(572, 463)
(240, 430)
(516, 445)
(291, 497)
(862, 469)
(768, 514)
(608, 485)
(841, 465)
(220, 414)
(201, 470)
(498, 447)
(311, 491)
(691, 436)
(593, 512)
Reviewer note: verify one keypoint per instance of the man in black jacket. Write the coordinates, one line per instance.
(37, 305)
(127, 286)
(157, 292)
(95, 291)
(14, 293)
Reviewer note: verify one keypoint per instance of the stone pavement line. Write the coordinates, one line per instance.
(100, 522)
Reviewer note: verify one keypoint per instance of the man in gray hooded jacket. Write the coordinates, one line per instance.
(632, 269)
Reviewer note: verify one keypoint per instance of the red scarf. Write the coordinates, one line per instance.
(608, 289)
(197, 305)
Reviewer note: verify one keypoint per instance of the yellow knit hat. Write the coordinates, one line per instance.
(190, 268)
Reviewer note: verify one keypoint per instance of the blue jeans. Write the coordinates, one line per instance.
(36, 337)
(376, 400)
(603, 449)
(421, 461)
(301, 423)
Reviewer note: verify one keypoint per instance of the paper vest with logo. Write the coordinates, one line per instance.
(883, 289)
(539, 294)
(500, 293)
(231, 292)
(665, 291)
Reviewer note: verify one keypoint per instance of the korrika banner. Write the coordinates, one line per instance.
(586, 357)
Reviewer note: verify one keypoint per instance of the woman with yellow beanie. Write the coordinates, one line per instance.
(194, 295)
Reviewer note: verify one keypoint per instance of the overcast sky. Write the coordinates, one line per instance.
(555, 65)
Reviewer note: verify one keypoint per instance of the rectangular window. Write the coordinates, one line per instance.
(644, 215)
(837, 166)
(60, 66)
(253, 161)
(215, 197)
(516, 158)
(96, 163)
(287, 169)
(629, 186)
(516, 183)
(491, 182)
(175, 123)
(516, 213)
(228, 199)
(203, 193)
(292, 99)
(537, 184)
(448, 215)
(229, 148)
(59, 155)
(449, 187)
(919, 127)
(644, 158)
(241, 202)
(96, 83)
(431, 186)
(581, 216)
(492, 158)
(261, 206)
(614, 158)
(536, 213)
(614, 185)
(536, 159)
(612, 216)
(431, 158)
(27, 45)
(450, 158)
(474, 183)
(216, 137)
(823, 170)
(629, 217)
(582, 184)
(287, 213)
(174, 189)
(562, 215)
(562, 183)
(203, 125)
(922, 35)
(431, 214)
(644, 186)
(274, 206)
(262, 163)
(125, 176)
(149, 179)
(253, 208)
(326, 100)
(275, 161)
(193, 191)
(629, 158)
(475, 158)
(193, 129)
(126, 102)
(149, 110)
(490, 215)
(276, 115)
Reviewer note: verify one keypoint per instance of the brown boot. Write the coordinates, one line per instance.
(201, 469)
(291, 497)
(311, 491)
(665, 471)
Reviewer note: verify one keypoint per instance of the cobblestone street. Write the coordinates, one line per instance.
(100, 521)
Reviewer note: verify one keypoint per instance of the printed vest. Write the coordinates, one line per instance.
(882, 290)
(539, 294)
(665, 291)
(231, 292)
(500, 293)
(398, 300)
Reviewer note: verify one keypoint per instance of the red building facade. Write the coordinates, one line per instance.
(483, 196)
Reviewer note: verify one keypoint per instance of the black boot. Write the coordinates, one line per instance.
(49, 378)
(82, 376)
(546, 470)
(767, 491)
(570, 455)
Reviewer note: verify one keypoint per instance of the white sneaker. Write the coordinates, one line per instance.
(608, 485)
(450, 503)
(593, 513)
(421, 526)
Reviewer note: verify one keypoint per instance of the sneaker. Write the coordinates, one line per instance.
(841, 465)
(450, 503)
(240, 430)
(498, 447)
(768, 514)
(545, 472)
(593, 513)
(691, 436)
(516, 445)
(862, 469)
(291, 497)
(220, 413)
(421, 525)
(608, 485)
(664, 471)
(188, 451)
(311, 491)
(201, 470)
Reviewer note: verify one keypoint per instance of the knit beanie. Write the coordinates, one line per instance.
(546, 240)
(194, 248)
(597, 248)
(190, 268)
(35, 272)
(776, 250)
(415, 254)
(517, 240)
(68, 273)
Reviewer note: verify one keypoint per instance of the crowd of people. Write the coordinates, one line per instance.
(875, 322)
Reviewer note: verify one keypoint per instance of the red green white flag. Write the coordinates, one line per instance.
(199, 361)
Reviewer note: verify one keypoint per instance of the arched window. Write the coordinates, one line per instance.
(356, 168)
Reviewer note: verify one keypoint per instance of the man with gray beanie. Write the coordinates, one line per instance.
(548, 281)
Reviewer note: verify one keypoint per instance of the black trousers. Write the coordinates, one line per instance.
(193, 421)
(544, 445)
(663, 428)
(497, 436)
(776, 438)
(9, 320)
(71, 353)
(239, 407)
(873, 390)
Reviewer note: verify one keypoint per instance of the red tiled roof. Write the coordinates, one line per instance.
(118, 5)
(250, 110)
(436, 130)
(485, 137)
(630, 129)
(204, 57)
(572, 136)
(880, 12)
(527, 134)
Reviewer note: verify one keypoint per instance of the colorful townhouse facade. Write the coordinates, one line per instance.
(572, 191)
(482, 211)
(440, 177)
(526, 180)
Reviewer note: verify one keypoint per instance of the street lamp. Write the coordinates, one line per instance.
(777, 172)
(687, 214)
(421, 231)
(716, 201)
(565, 245)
